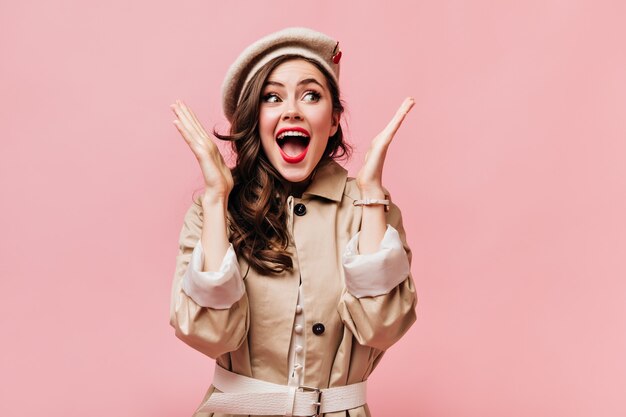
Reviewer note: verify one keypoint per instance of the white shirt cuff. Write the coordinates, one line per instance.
(218, 290)
(375, 273)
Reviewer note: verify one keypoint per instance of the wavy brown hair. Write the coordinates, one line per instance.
(257, 204)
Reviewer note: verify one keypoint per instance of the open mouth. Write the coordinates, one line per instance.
(293, 144)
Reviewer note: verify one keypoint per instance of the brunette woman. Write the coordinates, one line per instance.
(292, 276)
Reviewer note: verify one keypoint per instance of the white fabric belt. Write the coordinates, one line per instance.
(244, 395)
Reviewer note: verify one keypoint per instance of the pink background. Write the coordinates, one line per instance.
(510, 172)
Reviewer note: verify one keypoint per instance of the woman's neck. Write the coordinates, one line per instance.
(297, 188)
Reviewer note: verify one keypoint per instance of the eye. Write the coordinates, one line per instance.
(271, 98)
(312, 96)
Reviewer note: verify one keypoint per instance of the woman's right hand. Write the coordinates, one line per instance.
(217, 176)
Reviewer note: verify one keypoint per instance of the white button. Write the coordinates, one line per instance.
(298, 309)
(298, 349)
(298, 329)
(297, 367)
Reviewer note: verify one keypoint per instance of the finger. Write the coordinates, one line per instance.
(195, 125)
(375, 157)
(192, 131)
(184, 110)
(175, 110)
(193, 118)
(398, 118)
(183, 132)
(180, 115)
(401, 113)
(184, 117)
(173, 106)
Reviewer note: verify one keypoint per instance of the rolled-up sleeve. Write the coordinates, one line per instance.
(210, 330)
(378, 304)
(375, 273)
(220, 289)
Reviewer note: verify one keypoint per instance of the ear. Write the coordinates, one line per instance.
(335, 123)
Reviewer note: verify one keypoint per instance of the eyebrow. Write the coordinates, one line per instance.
(305, 81)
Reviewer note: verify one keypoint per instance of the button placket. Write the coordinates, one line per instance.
(290, 213)
(296, 353)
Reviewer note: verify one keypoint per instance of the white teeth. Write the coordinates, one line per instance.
(292, 133)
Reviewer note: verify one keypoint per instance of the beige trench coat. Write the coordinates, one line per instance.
(252, 337)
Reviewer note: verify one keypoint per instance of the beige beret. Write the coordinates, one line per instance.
(297, 40)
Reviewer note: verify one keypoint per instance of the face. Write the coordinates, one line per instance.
(296, 119)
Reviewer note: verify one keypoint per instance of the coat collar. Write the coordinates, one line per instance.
(328, 182)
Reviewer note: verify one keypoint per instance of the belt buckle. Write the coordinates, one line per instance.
(318, 403)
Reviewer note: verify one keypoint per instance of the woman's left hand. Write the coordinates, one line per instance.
(369, 178)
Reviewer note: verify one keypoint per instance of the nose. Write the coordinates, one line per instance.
(292, 112)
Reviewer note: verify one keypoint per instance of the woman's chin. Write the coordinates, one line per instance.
(295, 176)
(295, 173)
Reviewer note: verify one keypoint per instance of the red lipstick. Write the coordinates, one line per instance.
(293, 159)
(293, 129)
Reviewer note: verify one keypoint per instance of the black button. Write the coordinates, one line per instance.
(318, 329)
(300, 209)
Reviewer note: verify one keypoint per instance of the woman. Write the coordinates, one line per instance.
(293, 277)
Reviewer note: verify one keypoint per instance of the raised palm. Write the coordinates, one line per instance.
(217, 176)
(369, 178)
